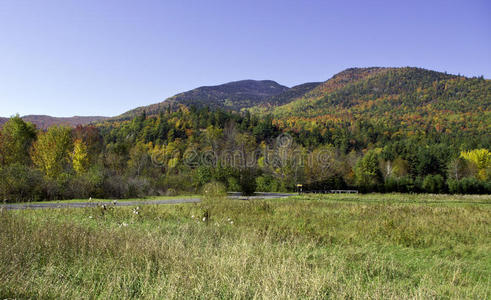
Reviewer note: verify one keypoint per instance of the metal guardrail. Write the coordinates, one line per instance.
(330, 192)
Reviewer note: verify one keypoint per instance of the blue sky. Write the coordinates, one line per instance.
(104, 57)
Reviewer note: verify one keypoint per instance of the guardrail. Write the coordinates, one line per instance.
(330, 192)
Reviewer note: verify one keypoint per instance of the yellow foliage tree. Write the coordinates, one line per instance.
(481, 158)
(80, 157)
(51, 152)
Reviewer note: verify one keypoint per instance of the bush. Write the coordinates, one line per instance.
(138, 187)
(434, 184)
(204, 175)
(171, 192)
(214, 189)
(400, 185)
(233, 184)
(468, 185)
(179, 182)
(247, 181)
(115, 187)
(262, 184)
(331, 183)
(267, 183)
(20, 183)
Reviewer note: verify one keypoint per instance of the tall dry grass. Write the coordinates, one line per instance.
(309, 247)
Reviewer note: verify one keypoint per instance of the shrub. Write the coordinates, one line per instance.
(468, 185)
(171, 192)
(20, 183)
(268, 183)
(179, 182)
(434, 184)
(204, 175)
(115, 187)
(214, 189)
(400, 185)
(331, 183)
(247, 181)
(262, 184)
(138, 187)
(233, 184)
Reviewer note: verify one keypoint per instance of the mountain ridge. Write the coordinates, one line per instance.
(45, 121)
(250, 94)
(233, 95)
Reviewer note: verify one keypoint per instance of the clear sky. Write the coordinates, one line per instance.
(104, 57)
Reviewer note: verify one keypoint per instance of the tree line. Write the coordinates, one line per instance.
(183, 150)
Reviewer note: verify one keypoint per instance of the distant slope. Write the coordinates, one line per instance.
(403, 96)
(290, 94)
(231, 96)
(43, 121)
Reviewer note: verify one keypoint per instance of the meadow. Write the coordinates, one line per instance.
(310, 246)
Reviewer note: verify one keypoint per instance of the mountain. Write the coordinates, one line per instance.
(290, 94)
(409, 98)
(405, 98)
(43, 121)
(230, 96)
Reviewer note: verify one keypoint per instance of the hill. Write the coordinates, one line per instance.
(230, 96)
(407, 98)
(43, 121)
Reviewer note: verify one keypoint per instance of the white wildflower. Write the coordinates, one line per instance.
(204, 219)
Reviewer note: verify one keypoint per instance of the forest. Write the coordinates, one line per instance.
(192, 148)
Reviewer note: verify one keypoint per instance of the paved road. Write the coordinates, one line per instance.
(94, 203)
(133, 203)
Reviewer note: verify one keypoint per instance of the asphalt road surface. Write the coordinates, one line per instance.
(133, 203)
(95, 203)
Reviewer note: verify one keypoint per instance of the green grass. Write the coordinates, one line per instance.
(310, 246)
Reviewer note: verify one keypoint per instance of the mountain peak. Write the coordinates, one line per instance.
(234, 95)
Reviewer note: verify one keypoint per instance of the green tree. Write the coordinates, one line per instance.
(367, 171)
(15, 140)
(434, 183)
(139, 158)
(51, 152)
(458, 168)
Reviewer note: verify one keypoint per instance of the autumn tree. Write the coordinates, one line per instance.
(80, 157)
(481, 158)
(15, 140)
(51, 152)
(140, 158)
(459, 168)
(91, 137)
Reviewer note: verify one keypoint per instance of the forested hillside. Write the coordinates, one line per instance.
(406, 100)
(372, 129)
(230, 96)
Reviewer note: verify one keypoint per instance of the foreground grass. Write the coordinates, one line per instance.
(316, 246)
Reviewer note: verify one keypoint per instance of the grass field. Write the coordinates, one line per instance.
(310, 246)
